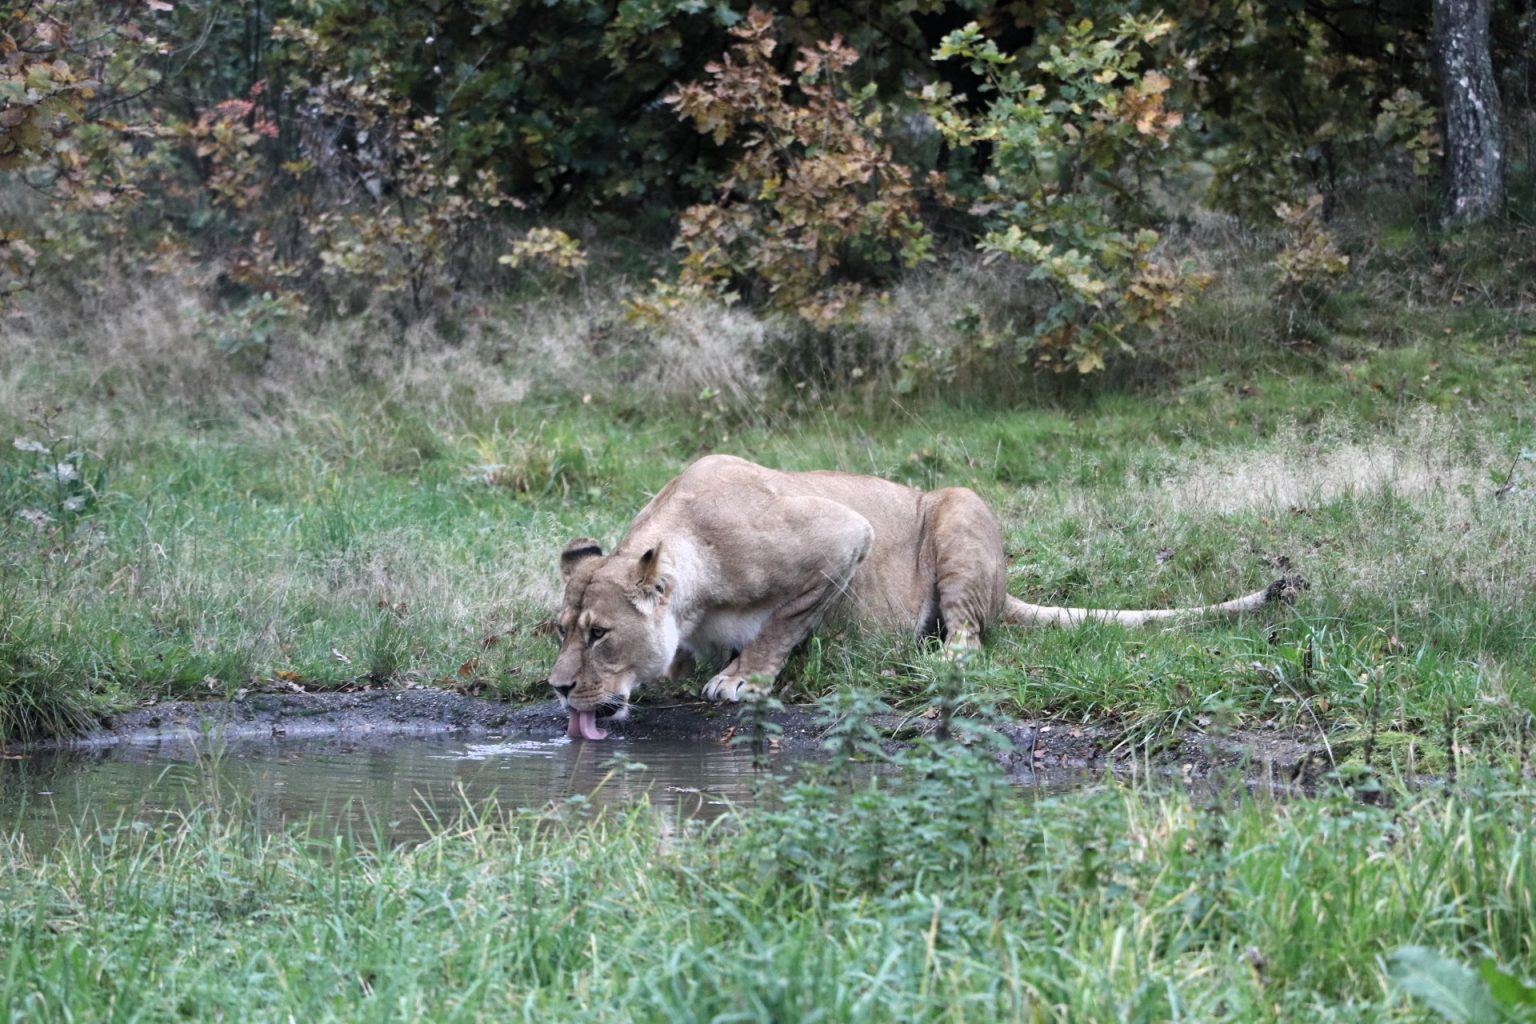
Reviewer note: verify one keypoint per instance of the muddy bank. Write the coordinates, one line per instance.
(1273, 758)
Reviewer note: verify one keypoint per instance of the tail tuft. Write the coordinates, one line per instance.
(1286, 589)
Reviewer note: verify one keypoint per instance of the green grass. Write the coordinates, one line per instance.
(889, 902)
(344, 535)
(386, 506)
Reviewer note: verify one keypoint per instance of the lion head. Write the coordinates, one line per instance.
(614, 631)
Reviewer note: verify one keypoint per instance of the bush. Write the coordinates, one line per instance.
(1075, 140)
(814, 200)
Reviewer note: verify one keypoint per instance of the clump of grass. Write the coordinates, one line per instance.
(49, 689)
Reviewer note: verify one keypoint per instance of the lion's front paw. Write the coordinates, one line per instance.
(723, 688)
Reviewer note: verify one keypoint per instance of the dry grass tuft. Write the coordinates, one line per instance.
(1404, 519)
(1424, 458)
(707, 347)
(128, 339)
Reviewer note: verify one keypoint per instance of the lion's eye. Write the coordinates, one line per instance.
(595, 634)
(560, 633)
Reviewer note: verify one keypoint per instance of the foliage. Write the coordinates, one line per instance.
(1076, 135)
(1310, 258)
(65, 69)
(343, 152)
(812, 194)
(226, 136)
(1455, 992)
(1289, 95)
(1410, 123)
(559, 98)
(563, 98)
(40, 97)
(382, 211)
(549, 248)
(62, 65)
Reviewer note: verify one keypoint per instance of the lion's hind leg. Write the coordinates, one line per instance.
(962, 548)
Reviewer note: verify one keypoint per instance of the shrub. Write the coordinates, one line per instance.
(813, 199)
(1075, 139)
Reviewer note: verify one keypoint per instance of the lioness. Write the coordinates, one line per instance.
(736, 564)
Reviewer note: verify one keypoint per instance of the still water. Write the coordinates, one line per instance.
(397, 790)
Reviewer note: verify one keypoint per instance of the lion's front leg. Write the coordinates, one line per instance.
(830, 540)
(753, 671)
(731, 684)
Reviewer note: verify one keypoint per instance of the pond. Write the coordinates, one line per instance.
(395, 789)
(394, 767)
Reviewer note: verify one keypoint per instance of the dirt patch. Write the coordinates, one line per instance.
(1271, 759)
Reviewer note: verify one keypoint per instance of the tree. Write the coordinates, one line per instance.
(1474, 121)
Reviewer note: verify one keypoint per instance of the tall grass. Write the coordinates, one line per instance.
(1113, 904)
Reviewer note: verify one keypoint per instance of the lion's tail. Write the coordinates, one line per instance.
(1022, 613)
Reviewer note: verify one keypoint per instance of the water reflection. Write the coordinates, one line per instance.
(395, 790)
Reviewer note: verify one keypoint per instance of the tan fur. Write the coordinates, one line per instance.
(736, 563)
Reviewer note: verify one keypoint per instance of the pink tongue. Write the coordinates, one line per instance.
(583, 725)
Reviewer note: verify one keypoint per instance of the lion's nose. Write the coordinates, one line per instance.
(563, 689)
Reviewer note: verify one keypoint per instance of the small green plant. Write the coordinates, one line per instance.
(759, 733)
(876, 818)
(1411, 124)
(248, 333)
(547, 249)
(57, 481)
(849, 735)
(1455, 992)
(1310, 261)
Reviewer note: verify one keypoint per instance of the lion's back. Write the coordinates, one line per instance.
(888, 589)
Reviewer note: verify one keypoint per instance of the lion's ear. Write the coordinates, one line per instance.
(651, 582)
(577, 551)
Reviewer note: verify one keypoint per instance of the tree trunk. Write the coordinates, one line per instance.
(1474, 121)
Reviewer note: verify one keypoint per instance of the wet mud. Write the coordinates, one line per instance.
(1270, 759)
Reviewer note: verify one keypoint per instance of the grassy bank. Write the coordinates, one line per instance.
(388, 511)
(896, 903)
